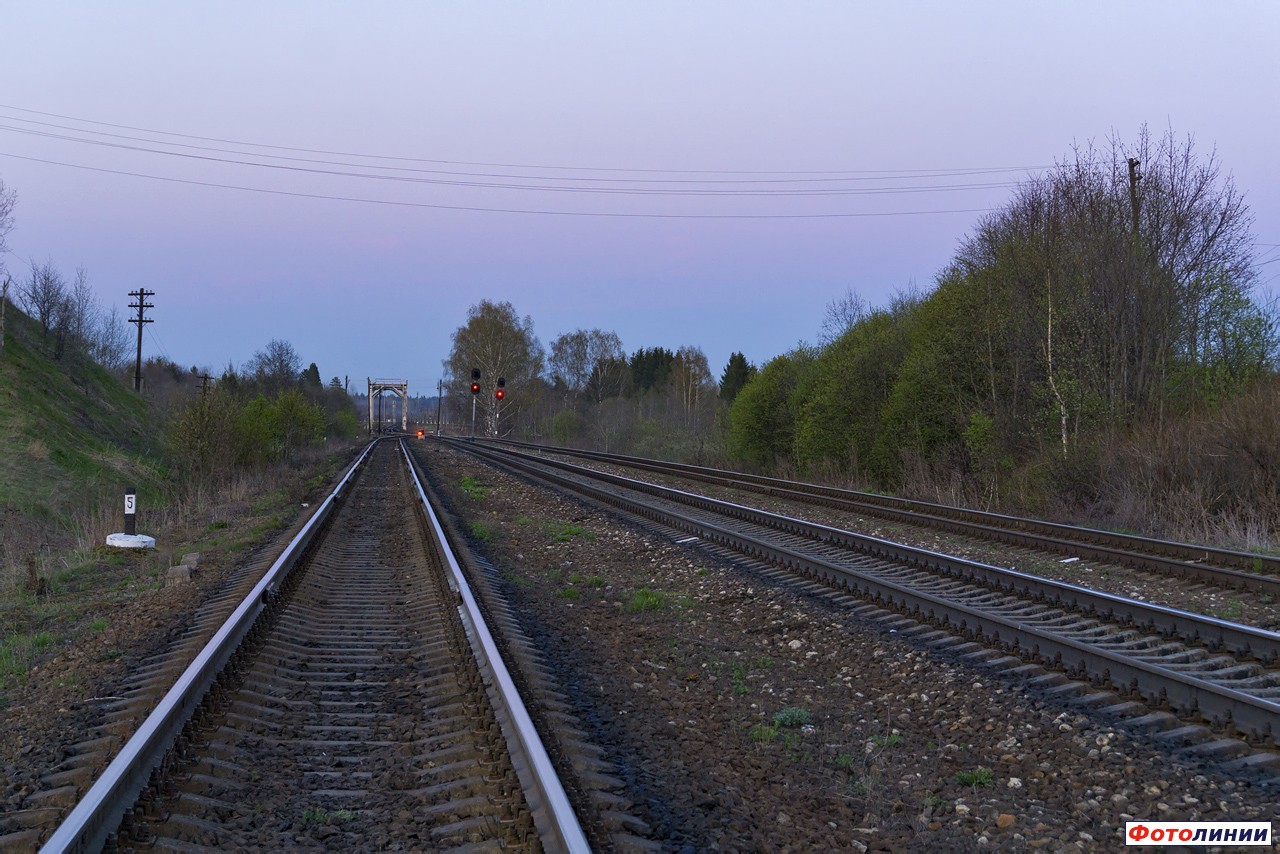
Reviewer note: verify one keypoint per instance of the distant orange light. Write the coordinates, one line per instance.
(421, 433)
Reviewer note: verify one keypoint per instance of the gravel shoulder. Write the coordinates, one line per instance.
(747, 714)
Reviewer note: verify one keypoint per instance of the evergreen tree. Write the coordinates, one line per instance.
(737, 373)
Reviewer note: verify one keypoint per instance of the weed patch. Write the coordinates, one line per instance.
(473, 488)
(792, 716)
(482, 532)
(18, 651)
(569, 531)
(977, 777)
(645, 599)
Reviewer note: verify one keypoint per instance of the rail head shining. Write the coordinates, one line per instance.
(544, 779)
(98, 813)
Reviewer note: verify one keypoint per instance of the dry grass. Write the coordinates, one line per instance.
(189, 509)
(1206, 477)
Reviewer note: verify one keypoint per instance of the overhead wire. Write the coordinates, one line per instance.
(539, 188)
(476, 208)
(831, 183)
(506, 165)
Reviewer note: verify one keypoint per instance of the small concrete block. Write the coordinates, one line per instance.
(191, 559)
(131, 541)
(180, 574)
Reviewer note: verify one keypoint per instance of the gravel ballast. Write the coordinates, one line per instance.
(750, 714)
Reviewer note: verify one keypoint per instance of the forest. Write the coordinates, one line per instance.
(1095, 350)
(1098, 350)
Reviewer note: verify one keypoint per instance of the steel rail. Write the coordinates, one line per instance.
(537, 772)
(99, 812)
(1227, 567)
(1255, 716)
(1216, 633)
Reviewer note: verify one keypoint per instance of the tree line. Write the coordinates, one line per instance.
(1111, 295)
(268, 412)
(586, 390)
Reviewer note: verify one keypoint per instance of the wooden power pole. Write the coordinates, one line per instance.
(141, 305)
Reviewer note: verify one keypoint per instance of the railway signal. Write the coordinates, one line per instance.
(501, 391)
(475, 380)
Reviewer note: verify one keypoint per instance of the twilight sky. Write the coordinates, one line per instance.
(657, 160)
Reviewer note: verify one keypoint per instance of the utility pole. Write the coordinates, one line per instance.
(439, 403)
(204, 384)
(141, 305)
(1134, 177)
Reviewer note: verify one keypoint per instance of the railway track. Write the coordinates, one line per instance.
(1225, 568)
(1199, 666)
(356, 699)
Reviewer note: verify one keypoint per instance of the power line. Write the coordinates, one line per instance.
(834, 177)
(825, 191)
(394, 203)
(500, 165)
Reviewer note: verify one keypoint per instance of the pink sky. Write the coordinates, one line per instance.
(694, 88)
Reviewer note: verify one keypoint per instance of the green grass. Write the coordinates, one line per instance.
(596, 581)
(568, 531)
(764, 734)
(571, 593)
(483, 532)
(473, 489)
(1232, 611)
(18, 651)
(891, 740)
(315, 816)
(98, 625)
(792, 716)
(977, 777)
(645, 599)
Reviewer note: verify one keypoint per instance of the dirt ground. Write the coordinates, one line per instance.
(750, 715)
(744, 713)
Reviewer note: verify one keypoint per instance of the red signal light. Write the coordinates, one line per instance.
(421, 433)
(475, 388)
(500, 394)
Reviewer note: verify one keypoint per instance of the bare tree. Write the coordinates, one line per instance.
(109, 345)
(608, 366)
(4, 300)
(589, 362)
(8, 201)
(692, 377)
(276, 367)
(44, 295)
(842, 314)
(82, 310)
(570, 361)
